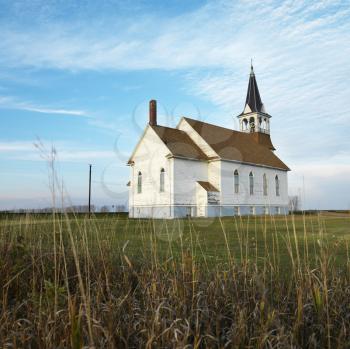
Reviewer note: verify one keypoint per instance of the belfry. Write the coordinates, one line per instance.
(254, 117)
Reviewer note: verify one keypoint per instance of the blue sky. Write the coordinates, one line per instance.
(77, 76)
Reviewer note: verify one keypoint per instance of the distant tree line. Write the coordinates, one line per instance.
(70, 209)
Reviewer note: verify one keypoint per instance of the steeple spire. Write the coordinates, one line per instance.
(253, 99)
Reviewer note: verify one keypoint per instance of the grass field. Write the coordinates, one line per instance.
(111, 282)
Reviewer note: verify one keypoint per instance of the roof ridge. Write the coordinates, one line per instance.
(169, 128)
(251, 150)
(208, 123)
(175, 140)
(244, 134)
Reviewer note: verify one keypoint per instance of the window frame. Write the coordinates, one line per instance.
(162, 180)
(277, 186)
(265, 186)
(251, 183)
(139, 182)
(236, 182)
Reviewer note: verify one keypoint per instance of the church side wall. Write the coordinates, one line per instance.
(243, 199)
(149, 159)
(186, 174)
(214, 174)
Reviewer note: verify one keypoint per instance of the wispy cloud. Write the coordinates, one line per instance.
(16, 146)
(53, 111)
(85, 155)
(64, 151)
(7, 102)
(226, 39)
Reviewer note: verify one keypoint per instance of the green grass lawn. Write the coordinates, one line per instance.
(280, 239)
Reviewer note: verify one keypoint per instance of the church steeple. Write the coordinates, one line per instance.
(253, 99)
(254, 117)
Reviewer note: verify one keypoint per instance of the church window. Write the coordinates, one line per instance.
(139, 182)
(277, 183)
(252, 124)
(251, 183)
(236, 210)
(265, 184)
(236, 181)
(251, 210)
(265, 124)
(161, 180)
(245, 124)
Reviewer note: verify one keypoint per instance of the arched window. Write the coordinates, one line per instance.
(265, 184)
(161, 180)
(139, 183)
(245, 124)
(277, 183)
(236, 181)
(251, 183)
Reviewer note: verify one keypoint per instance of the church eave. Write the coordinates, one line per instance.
(257, 164)
(172, 156)
(255, 112)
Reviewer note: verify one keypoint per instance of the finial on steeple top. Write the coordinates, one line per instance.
(251, 66)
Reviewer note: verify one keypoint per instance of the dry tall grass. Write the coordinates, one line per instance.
(65, 283)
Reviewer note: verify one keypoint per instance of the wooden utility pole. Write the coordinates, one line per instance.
(90, 190)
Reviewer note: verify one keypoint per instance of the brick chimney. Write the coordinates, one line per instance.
(153, 112)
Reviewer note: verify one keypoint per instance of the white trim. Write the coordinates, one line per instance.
(183, 119)
(247, 109)
(170, 156)
(137, 145)
(249, 163)
(139, 142)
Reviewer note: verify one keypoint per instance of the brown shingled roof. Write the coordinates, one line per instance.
(207, 186)
(263, 139)
(179, 143)
(238, 146)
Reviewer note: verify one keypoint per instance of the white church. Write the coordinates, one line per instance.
(203, 170)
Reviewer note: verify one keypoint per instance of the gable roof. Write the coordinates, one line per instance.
(179, 143)
(207, 186)
(237, 146)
